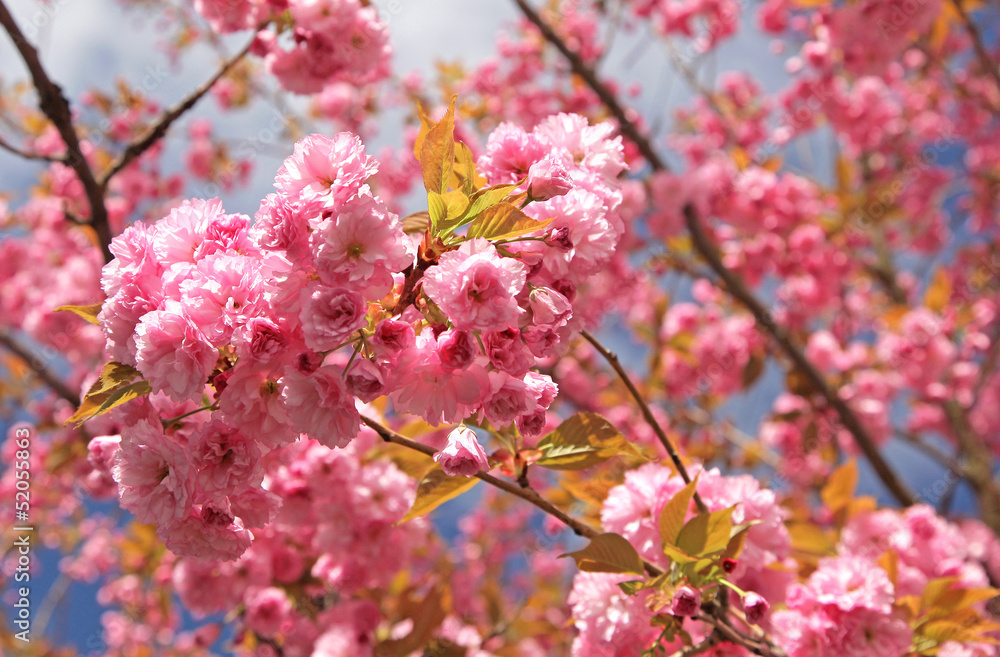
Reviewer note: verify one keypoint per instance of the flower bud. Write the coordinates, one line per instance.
(548, 178)
(687, 601)
(463, 455)
(755, 606)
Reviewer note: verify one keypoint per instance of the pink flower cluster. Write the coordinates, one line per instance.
(246, 323)
(332, 40)
(610, 622)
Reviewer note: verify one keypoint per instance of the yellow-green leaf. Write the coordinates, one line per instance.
(113, 388)
(489, 197)
(938, 292)
(89, 313)
(608, 553)
(678, 555)
(738, 538)
(504, 221)
(582, 441)
(706, 533)
(839, 490)
(435, 489)
(674, 512)
(437, 208)
(437, 152)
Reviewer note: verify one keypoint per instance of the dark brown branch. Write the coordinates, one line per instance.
(625, 123)
(647, 413)
(38, 367)
(159, 129)
(989, 66)
(736, 288)
(54, 105)
(765, 321)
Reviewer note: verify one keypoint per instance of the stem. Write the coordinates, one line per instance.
(167, 423)
(527, 494)
(47, 376)
(647, 414)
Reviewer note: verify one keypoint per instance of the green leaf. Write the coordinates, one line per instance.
(504, 221)
(115, 386)
(487, 198)
(581, 442)
(435, 489)
(89, 313)
(608, 553)
(437, 208)
(737, 539)
(706, 533)
(673, 513)
(437, 152)
(678, 555)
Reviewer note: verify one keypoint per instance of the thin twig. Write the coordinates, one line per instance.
(40, 370)
(647, 413)
(527, 494)
(159, 129)
(20, 152)
(54, 105)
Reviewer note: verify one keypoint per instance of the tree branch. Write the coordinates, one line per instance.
(625, 123)
(527, 494)
(47, 376)
(736, 288)
(647, 413)
(54, 105)
(989, 66)
(6, 145)
(159, 129)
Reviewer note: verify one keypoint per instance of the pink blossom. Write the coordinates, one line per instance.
(463, 455)
(267, 609)
(360, 246)
(227, 460)
(329, 315)
(323, 173)
(365, 380)
(252, 402)
(476, 287)
(173, 354)
(548, 178)
(755, 607)
(457, 349)
(686, 602)
(320, 406)
(209, 533)
(509, 397)
(153, 475)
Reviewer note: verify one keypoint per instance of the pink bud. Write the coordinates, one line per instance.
(687, 601)
(365, 380)
(559, 238)
(755, 606)
(457, 349)
(548, 178)
(463, 455)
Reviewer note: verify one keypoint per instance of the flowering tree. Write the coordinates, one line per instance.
(280, 402)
